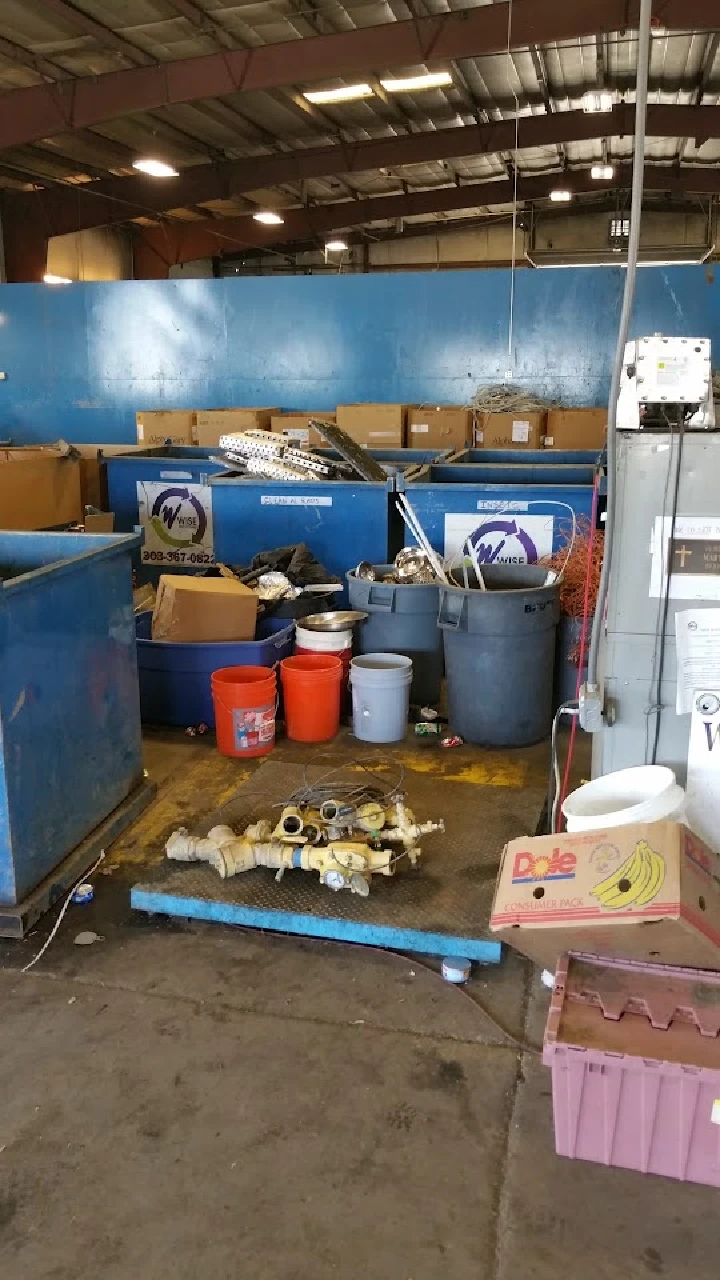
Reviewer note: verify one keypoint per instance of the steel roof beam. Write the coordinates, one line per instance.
(117, 200)
(184, 242)
(43, 110)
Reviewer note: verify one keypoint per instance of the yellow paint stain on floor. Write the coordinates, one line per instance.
(494, 769)
(194, 789)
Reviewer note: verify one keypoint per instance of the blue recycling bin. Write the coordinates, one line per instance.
(70, 744)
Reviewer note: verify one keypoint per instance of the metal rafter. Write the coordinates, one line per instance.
(187, 241)
(119, 199)
(30, 114)
(81, 21)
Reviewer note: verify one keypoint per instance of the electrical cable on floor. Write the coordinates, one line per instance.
(82, 879)
(565, 709)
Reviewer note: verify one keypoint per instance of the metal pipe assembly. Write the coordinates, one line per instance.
(345, 847)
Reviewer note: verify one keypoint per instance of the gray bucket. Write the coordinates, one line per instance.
(402, 618)
(380, 696)
(499, 655)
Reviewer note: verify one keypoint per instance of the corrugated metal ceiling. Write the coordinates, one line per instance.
(53, 40)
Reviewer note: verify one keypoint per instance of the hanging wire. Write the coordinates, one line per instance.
(511, 317)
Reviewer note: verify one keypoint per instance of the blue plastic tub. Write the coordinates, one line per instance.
(175, 678)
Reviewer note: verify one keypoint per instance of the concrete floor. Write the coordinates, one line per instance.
(183, 1100)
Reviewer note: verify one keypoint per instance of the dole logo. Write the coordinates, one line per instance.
(543, 866)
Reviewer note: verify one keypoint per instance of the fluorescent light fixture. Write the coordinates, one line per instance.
(269, 218)
(657, 256)
(335, 246)
(155, 168)
(348, 93)
(597, 100)
(411, 84)
(560, 195)
(602, 172)
(49, 278)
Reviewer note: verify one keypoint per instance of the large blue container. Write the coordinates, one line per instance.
(175, 678)
(521, 521)
(341, 521)
(71, 749)
(166, 491)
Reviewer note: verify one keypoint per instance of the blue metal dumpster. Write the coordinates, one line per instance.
(70, 745)
(588, 457)
(342, 521)
(166, 491)
(522, 521)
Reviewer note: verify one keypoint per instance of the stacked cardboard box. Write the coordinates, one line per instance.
(210, 424)
(576, 429)
(440, 427)
(154, 427)
(376, 426)
(518, 430)
(295, 426)
(201, 610)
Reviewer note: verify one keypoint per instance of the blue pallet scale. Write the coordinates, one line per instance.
(70, 743)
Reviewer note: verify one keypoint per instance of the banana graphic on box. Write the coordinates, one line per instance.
(635, 883)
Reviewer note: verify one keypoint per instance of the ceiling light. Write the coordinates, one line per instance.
(269, 218)
(347, 94)
(602, 172)
(560, 195)
(335, 246)
(49, 278)
(155, 168)
(660, 256)
(597, 100)
(432, 80)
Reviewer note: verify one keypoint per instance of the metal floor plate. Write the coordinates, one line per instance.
(441, 907)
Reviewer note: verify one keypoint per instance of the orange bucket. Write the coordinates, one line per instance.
(245, 700)
(311, 689)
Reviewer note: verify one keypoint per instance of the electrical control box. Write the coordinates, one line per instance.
(666, 380)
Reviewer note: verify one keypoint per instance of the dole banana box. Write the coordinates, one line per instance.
(645, 892)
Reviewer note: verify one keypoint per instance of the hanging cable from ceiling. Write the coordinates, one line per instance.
(511, 315)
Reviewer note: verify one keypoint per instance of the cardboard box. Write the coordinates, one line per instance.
(99, 522)
(295, 427)
(576, 429)
(155, 426)
(93, 473)
(510, 430)
(377, 426)
(211, 424)
(39, 489)
(650, 892)
(440, 427)
(203, 609)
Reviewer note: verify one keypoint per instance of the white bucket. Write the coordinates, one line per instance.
(323, 641)
(648, 793)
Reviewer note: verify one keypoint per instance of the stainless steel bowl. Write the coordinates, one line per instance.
(412, 565)
(333, 620)
(365, 571)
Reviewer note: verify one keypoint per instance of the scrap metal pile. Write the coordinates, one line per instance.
(346, 831)
(265, 453)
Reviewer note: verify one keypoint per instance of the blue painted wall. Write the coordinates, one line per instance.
(81, 359)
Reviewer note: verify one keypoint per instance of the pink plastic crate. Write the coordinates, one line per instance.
(635, 1057)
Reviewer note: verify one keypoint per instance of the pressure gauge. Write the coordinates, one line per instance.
(335, 880)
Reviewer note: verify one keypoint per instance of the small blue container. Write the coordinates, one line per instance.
(175, 678)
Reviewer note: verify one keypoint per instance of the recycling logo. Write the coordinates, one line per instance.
(178, 518)
(504, 542)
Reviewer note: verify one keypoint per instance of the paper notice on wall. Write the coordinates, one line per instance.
(702, 793)
(502, 537)
(697, 641)
(520, 432)
(691, 557)
(418, 428)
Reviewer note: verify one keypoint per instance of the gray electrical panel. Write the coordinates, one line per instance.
(647, 464)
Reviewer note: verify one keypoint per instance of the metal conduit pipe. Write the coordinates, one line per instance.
(627, 302)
